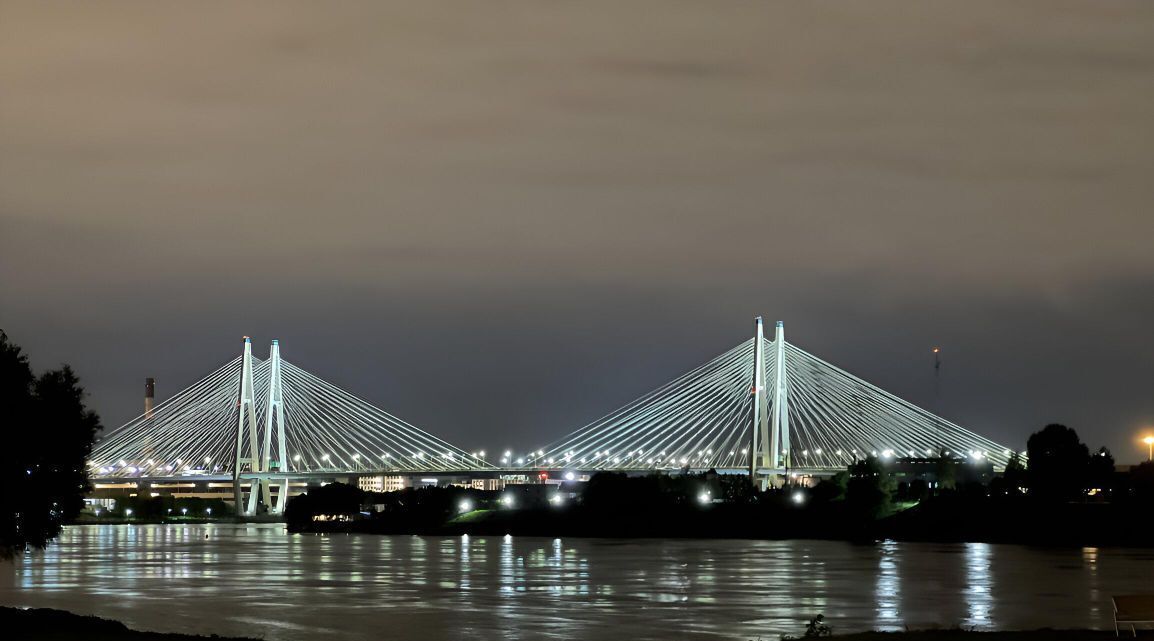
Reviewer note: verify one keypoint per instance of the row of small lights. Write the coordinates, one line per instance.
(509, 502)
(183, 511)
(131, 469)
(532, 457)
(180, 465)
(703, 454)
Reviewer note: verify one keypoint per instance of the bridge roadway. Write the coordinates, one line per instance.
(486, 473)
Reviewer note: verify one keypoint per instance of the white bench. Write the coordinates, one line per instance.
(1133, 610)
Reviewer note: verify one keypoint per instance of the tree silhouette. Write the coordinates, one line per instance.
(870, 488)
(1100, 470)
(48, 434)
(1059, 463)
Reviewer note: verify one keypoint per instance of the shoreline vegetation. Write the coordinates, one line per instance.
(41, 624)
(1073, 526)
(44, 624)
(1067, 496)
(710, 505)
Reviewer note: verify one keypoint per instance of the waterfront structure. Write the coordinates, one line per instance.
(771, 409)
(765, 408)
(261, 424)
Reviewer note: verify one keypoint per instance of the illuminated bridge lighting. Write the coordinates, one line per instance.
(705, 417)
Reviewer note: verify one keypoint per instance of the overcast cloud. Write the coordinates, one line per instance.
(500, 220)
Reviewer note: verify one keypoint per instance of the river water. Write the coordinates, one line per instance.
(255, 580)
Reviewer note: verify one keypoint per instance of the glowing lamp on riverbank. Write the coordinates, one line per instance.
(466, 506)
(507, 501)
(798, 498)
(704, 498)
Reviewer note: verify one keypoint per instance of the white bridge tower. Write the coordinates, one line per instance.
(246, 423)
(769, 433)
(274, 420)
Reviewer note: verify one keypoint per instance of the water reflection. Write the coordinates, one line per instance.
(979, 586)
(888, 589)
(256, 580)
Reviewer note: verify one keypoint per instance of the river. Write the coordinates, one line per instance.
(256, 580)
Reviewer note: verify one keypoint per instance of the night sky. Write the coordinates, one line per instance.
(501, 220)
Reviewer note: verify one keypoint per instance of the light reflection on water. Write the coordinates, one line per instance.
(255, 580)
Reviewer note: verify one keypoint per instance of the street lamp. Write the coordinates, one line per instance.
(1149, 441)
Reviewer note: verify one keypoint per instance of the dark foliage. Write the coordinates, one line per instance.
(334, 499)
(870, 489)
(162, 507)
(428, 505)
(48, 434)
(1013, 480)
(1100, 470)
(617, 492)
(57, 625)
(1059, 464)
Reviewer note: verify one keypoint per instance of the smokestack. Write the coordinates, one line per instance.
(149, 396)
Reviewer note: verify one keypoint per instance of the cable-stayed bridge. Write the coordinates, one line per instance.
(769, 407)
(765, 407)
(262, 422)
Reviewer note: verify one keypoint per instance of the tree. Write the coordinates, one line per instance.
(945, 470)
(1059, 463)
(1100, 470)
(48, 434)
(1012, 479)
(1142, 481)
(332, 500)
(870, 488)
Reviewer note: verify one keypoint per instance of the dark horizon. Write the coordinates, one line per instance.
(500, 225)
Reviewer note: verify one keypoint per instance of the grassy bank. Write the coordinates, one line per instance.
(942, 521)
(966, 635)
(57, 625)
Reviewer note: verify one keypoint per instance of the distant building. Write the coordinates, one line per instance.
(381, 483)
(931, 470)
(487, 484)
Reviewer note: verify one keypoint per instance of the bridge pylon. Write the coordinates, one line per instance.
(779, 421)
(274, 420)
(759, 441)
(769, 431)
(246, 423)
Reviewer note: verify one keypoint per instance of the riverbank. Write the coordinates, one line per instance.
(968, 635)
(58, 625)
(941, 521)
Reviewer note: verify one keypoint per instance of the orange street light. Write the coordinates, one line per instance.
(1149, 441)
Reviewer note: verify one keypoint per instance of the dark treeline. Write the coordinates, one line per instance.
(1066, 495)
(47, 433)
(161, 508)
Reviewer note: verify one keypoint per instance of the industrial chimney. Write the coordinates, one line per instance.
(149, 396)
